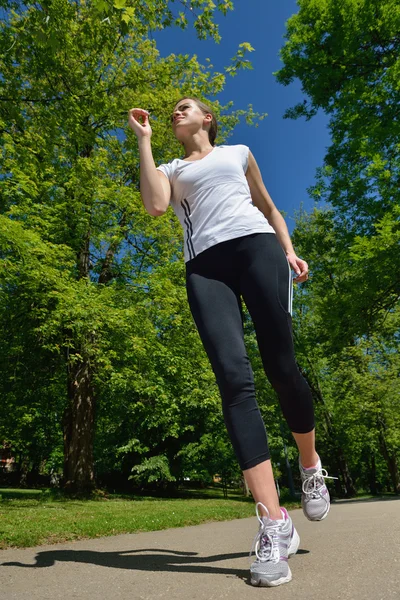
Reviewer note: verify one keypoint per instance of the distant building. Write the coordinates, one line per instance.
(7, 460)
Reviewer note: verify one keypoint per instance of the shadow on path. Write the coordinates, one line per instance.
(157, 560)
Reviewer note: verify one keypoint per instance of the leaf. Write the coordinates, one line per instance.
(119, 4)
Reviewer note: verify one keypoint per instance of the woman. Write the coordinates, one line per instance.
(237, 246)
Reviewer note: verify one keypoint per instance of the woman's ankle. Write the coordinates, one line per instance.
(274, 511)
(309, 462)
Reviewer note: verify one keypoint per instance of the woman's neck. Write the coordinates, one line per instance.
(197, 145)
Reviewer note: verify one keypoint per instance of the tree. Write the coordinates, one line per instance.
(69, 73)
(346, 57)
(353, 377)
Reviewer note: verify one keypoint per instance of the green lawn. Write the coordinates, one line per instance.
(34, 517)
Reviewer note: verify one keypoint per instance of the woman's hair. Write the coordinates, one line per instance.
(212, 132)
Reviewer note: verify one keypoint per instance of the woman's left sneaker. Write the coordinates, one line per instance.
(315, 498)
(274, 543)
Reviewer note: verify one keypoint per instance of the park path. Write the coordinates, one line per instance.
(354, 554)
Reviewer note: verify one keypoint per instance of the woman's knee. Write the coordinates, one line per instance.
(284, 374)
(234, 384)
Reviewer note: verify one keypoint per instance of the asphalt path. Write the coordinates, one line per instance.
(354, 554)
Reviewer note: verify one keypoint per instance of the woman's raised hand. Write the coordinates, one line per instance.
(138, 120)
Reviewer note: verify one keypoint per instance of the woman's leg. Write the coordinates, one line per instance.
(260, 480)
(216, 309)
(306, 445)
(266, 288)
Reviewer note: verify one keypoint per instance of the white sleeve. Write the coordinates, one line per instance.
(244, 155)
(166, 168)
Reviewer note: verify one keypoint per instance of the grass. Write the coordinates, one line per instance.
(35, 517)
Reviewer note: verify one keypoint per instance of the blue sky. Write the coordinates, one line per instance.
(288, 152)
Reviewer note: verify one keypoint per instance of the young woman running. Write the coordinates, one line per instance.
(237, 246)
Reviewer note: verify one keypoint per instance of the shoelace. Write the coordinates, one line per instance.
(310, 484)
(265, 540)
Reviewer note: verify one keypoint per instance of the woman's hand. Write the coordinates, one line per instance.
(138, 121)
(299, 266)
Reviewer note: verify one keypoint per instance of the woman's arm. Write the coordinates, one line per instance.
(264, 203)
(155, 188)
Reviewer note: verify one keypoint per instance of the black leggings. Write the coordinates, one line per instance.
(253, 267)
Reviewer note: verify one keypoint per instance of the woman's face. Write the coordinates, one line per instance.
(187, 118)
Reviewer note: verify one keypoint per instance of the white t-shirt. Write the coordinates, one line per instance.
(212, 200)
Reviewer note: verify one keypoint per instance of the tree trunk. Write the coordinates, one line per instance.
(390, 458)
(245, 487)
(78, 418)
(372, 476)
(106, 273)
(24, 470)
(347, 479)
(78, 428)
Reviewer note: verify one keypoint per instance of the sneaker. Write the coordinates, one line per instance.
(274, 543)
(315, 498)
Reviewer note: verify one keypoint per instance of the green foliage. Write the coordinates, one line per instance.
(346, 56)
(238, 60)
(87, 278)
(152, 470)
(347, 344)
